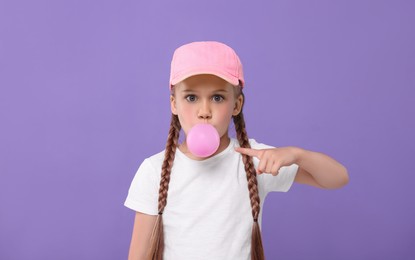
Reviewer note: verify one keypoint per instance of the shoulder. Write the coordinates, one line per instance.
(156, 159)
(152, 164)
(258, 145)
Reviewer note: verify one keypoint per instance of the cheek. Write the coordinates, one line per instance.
(186, 114)
(225, 116)
(227, 111)
(185, 117)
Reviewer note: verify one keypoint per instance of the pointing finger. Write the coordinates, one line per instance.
(248, 151)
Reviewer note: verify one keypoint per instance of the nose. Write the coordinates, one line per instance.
(204, 111)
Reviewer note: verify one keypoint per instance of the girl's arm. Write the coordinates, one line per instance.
(319, 170)
(316, 169)
(140, 240)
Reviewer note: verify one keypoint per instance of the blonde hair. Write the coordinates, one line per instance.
(157, 236)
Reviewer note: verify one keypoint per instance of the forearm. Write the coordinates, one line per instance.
(326, 171)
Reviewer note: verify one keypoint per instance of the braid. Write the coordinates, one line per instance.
(172, 142)
(257, 250)
(157, 237)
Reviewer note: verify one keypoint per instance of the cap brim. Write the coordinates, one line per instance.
(229, 78)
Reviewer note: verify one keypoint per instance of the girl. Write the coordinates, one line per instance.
(189, 207)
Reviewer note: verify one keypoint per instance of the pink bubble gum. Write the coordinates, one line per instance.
(203, 140)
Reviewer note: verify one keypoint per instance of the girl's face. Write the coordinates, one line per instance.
(205, 98)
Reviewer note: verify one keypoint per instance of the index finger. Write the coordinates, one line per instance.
(248, 151)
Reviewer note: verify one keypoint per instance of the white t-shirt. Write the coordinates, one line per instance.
(208, 214)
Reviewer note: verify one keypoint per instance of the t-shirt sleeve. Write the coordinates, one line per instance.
(143, 192)
(284, 179)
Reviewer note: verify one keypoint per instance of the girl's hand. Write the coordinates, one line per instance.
(271, 160)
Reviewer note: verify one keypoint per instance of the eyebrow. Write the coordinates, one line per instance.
(215, 91)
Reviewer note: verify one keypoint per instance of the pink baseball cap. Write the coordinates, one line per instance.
(206, 57)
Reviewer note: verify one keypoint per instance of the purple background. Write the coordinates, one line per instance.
(84, 99)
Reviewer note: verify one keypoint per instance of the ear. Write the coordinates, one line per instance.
(173, 105)
(238, 105)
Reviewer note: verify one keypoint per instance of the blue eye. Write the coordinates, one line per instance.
(191, 98)
(217, 98)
